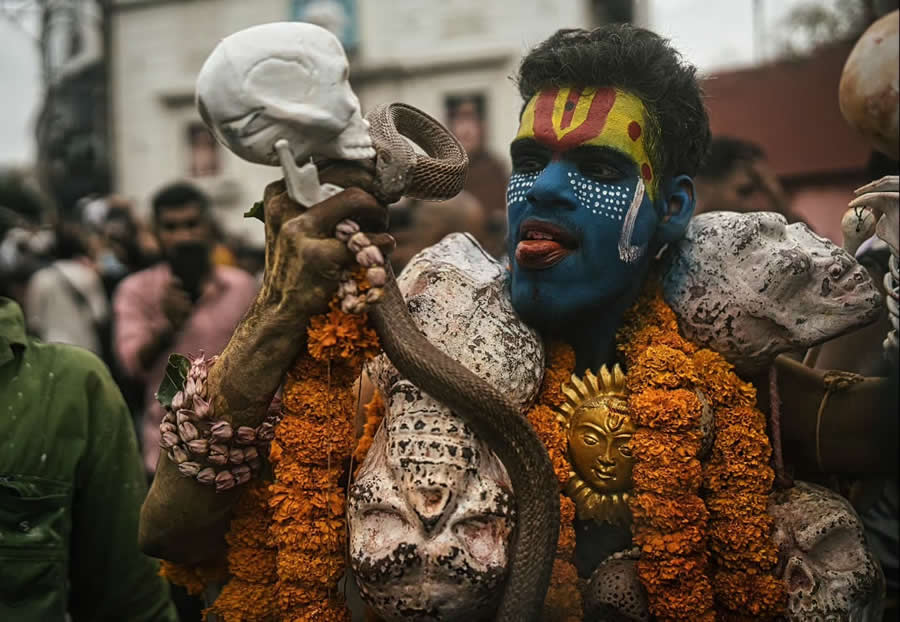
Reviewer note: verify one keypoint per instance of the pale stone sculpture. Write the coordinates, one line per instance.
(431, 511)
(829, 572)
(750, 287)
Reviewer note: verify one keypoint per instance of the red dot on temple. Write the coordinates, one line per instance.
(634, 130)
(646, 173)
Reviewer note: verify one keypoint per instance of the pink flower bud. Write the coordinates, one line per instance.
(236, 455)
(187, 431)
(168, 440)
(202, 408)
(218, 454)
(376, 276)
(207, 476)
(165, 426)
(190, 388)
(224, 481)
(266, 432)
(241, 473)
(250, 453)
(198, 447)
(189, 469)
(221, 431)
(246, 434)
(178, 454)
(178, 400)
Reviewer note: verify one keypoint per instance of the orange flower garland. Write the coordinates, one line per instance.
(699, 560)
(311, 450)
(563, 602)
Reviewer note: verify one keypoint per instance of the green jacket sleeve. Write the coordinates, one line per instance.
(110, 578)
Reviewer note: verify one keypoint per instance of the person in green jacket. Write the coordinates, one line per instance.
(71, 487)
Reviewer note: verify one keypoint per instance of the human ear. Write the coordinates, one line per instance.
(680, 201)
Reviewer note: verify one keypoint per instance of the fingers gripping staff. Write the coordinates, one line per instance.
(278, 94)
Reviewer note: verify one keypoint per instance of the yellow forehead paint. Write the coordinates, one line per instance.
(565, 118)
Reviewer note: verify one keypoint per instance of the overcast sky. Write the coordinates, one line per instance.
(712, 35)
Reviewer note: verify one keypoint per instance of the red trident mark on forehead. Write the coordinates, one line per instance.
(598, 101)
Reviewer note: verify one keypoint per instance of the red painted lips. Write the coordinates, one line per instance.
(542, 245)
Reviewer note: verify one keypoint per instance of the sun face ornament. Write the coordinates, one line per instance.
(598, 432)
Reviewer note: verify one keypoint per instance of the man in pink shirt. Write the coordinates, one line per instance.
(183, 304)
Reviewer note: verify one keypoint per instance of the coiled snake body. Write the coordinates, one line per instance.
(440, 174)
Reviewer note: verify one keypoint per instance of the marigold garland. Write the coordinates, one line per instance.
(312, 448)
(699, 560)
(563, 602)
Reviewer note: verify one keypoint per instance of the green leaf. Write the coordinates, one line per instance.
(177, 369)
(256, 212)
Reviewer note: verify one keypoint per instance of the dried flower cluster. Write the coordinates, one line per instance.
(710, 556)
(563, 602)
(207, 449)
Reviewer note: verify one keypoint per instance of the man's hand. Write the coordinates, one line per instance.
(176, 304)
(304, 260)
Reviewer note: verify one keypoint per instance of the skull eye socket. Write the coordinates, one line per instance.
(381, 529)
(484, 537)
(840, 550)
(246, 126)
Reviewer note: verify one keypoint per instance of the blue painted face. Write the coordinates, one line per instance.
(566, 218)
(584, 207)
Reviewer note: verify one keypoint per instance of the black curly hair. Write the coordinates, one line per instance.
(637, 61)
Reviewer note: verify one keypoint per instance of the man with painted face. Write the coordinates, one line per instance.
(612, 130)
(611, 133)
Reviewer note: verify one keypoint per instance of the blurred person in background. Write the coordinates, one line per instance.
(124, 245)
(416, 224)
(185, 303)
(65, 302)
(736, 177)
(487, 175)
(71, 487)
(25, 242)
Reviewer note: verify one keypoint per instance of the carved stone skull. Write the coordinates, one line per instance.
(431, 511)
(750, 287)
(284, 80)
(829, 571)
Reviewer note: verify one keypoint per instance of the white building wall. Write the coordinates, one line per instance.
(415, 51)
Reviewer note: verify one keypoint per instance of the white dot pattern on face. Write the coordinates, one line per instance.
(601, 199)
(519, 184)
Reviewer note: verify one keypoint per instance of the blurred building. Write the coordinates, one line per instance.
(790, 108)
(73, 157)
(426, 53)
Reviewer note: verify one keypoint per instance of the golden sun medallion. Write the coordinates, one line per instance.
(598, 431)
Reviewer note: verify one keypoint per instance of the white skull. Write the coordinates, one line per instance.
(829, 572)
(432, 510)
(750, 287)
(285, 80)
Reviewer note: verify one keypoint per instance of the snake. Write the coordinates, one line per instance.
(438, 172)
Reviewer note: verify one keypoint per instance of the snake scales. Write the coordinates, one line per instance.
(437, 174)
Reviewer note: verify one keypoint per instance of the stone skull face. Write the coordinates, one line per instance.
(431, 511)
(285, 80)
(750, 286)
(827, 568)
(429, 515)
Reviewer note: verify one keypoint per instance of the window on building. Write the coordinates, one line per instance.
(203, 151)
